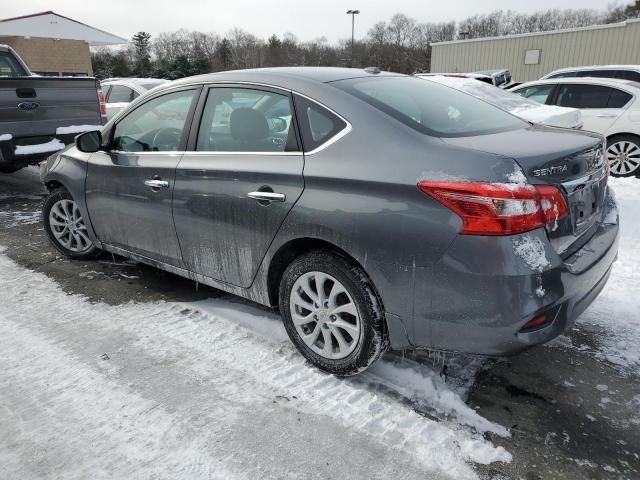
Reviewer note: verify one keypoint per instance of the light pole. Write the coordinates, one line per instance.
(353, 14)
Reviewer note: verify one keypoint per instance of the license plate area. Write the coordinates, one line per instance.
(585, 203)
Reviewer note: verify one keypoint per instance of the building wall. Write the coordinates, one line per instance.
(607, 44)
(62, 57)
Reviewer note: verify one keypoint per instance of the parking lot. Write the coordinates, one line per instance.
(117, 370)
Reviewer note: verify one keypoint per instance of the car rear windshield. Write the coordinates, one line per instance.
(9, 67)
(429, 107)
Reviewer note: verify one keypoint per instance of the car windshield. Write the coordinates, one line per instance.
(493, 95)
(431, 108)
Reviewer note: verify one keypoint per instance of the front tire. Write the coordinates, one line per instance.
(332, 313)
(65, 227)
(623, 155)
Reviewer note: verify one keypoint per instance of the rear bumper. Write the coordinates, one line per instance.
(480, 295)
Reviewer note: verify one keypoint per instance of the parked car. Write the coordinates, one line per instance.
(374, 209)
(521, 107)
(609, 107)
(621, 72)
(41, 115)
(120, 92)
(499, 77)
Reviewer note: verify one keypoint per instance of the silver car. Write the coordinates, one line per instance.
(374, 210)
(120, 92)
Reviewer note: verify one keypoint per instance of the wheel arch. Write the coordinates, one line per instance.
(291, 250)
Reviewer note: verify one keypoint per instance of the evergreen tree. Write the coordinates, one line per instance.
(141, 44)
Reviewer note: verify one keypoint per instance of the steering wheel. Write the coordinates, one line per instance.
(166, 139)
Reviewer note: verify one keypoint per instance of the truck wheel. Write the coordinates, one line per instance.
(65, 226)
(332, 313)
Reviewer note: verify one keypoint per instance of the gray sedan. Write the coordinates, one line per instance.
(374, 210)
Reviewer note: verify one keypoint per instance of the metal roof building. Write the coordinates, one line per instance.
(529, 56)
(52, 44)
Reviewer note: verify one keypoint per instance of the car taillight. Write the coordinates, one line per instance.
(103, 105)
(498, 208)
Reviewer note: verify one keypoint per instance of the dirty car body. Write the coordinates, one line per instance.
(374, 186)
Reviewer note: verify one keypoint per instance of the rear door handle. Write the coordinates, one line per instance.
(606, 115)
(267, 196)
(156, 184)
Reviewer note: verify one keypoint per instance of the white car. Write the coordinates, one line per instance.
(120, 92)
(514, 104)
(620, 72)
(609, 107)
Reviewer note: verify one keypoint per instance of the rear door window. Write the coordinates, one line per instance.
(583, 96)
(317, 124)
(120, 94)
(628, 75)
(598, 73)
(618, 98)
(246, 120)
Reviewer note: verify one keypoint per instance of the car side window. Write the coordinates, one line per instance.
(536, 93)
(120, 94)
(598, 73)
(628, 75)
(583, 96)
(105, 90)
(618, 98)
(317, 124)
(246, 120)
(155, 126)
(563, 75)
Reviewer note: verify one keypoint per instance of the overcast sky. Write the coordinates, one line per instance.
(305, 19)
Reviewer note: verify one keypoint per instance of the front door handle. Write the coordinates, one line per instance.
(606, 115)
(267, 196)
(156, 184)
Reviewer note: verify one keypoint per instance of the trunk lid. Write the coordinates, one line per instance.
(570, 160)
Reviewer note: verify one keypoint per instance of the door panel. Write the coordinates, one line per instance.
(247, 150)
(128, 214)
(129, 186)
(224, 234)
(593, 102)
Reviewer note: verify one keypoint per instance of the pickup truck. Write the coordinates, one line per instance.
(41, 115)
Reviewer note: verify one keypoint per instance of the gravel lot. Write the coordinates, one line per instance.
(117, 370)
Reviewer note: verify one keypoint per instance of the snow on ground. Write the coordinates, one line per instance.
(614, 314)
(199, 391)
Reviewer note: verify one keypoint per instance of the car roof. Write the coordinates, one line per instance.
(285, 76)
(594, 67)
(610, 82)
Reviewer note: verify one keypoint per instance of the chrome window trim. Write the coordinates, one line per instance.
(348, 128)
(223, 153)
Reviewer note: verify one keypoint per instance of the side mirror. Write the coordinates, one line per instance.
(89, 142)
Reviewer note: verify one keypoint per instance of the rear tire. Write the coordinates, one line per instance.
(623, 155)
(332, 313)
(65, 227)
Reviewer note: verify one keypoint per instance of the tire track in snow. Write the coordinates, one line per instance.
(205, 342)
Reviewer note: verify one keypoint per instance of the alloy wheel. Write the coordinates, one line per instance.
(325, 315)
(623, 157)
(68, 227)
